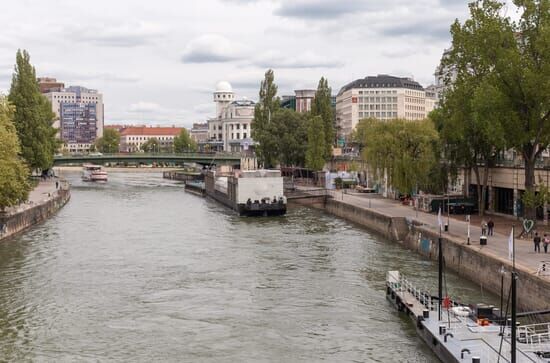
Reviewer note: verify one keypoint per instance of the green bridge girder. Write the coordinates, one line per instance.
(148, 158)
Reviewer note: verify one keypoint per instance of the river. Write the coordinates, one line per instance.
(137, 270)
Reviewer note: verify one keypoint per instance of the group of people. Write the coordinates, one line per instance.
(487, 229)
(545, 241)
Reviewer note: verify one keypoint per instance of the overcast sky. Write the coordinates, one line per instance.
(159, 61)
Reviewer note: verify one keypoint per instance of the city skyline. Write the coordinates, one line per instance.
(158, 63)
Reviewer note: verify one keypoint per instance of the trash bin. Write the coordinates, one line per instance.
(446, 227)
(483, 240)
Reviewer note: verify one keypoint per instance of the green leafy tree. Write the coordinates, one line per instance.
(264, 110)
(183, 142)
(14, 184)
(515, 53)
(33, 116)
(321, 106)
(316, 148)
(289, 130)
(109, 142)
(151, 145)
(405, 149)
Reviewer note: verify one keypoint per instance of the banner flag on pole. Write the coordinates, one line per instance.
(439, 220)
(511, 245)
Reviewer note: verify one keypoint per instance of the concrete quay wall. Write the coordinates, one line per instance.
(467, 261)
(11, 224)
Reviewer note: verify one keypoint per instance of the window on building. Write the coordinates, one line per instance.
(244, 135)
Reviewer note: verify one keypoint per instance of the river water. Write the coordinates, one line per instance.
(138, 270)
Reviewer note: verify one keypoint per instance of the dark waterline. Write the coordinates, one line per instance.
(138, 270)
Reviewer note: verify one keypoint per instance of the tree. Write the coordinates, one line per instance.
(322, 106)
(264, 110)
(404, 149)
(470, 125)
(316, 147)
(289, 130)
(33, 115)
(516, 53)
(183, 142)
(14, 184)
(109, 142)
(151, 145)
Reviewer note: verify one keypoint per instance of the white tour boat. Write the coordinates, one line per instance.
(92, 172)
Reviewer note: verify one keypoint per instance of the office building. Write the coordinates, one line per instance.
(79, 112)
(383, 97)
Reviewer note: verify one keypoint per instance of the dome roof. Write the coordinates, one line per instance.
(223, 86)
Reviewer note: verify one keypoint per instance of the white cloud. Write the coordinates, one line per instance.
(276, 59)
(144, 107)
(115, 35)
(212, 48)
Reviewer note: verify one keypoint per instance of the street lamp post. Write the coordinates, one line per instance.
(468, 219)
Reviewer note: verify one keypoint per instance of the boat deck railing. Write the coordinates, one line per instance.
(537, 336)
(401, 284)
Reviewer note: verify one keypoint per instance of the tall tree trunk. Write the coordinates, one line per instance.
(479, 189)
(484, 188)
(530, 152)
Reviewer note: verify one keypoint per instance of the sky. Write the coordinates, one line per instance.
(158, 62)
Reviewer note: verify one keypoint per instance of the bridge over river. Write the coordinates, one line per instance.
(149, 158)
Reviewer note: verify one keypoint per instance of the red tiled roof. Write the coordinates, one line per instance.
(151, 131)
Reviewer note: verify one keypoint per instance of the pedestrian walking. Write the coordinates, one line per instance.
(56, 185)
(536, 240)
(491, 226)
(483, 228)
(546, 242)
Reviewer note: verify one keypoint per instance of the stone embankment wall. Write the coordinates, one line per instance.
(467, 261)
(24, 218)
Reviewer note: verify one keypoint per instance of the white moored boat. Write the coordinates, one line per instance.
(92, 172)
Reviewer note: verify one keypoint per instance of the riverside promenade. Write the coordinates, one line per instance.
(497, 245)
(44, 200)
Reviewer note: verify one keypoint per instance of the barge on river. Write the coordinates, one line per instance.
(248, 192)
(476, 334)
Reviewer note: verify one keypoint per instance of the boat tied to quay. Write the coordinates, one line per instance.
(476, 333)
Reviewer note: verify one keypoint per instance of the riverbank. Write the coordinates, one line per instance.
(419, 231)
(44, 201)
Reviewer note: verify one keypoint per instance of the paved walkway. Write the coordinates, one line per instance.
(497, 245)
(44, 191)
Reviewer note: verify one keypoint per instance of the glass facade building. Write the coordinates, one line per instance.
(78, 123)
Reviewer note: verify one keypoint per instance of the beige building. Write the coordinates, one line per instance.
(199, 132)
(230, 130)
(132, 138)
(304, 99)
(383, 97)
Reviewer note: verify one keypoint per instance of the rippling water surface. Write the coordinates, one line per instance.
(138, 270)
